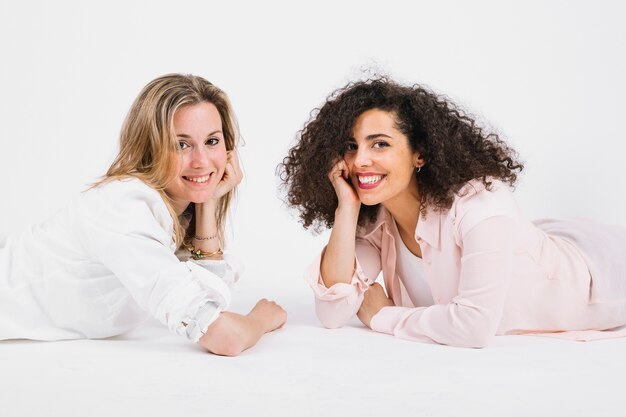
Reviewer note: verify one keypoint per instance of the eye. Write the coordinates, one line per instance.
(212, 141)
(351, 147)
(380, 144)
(182, 145)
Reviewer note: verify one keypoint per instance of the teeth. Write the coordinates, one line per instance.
(198, 179)
(370, 179)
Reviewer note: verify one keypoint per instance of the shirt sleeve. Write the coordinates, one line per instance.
(229, 269)
(472, 317)
(336, 305)
(129, 230)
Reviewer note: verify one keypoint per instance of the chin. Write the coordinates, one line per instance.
(369, 201)
(199, 199)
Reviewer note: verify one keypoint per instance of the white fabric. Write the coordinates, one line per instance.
(102, 265)
(305, 369)
(412, 272)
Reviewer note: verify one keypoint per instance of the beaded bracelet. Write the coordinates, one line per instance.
(205, 238)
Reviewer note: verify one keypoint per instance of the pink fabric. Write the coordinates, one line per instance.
(490, 272)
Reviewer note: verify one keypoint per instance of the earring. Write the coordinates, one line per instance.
(418, 169)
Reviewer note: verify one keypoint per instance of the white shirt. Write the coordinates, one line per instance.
(100, 266)
(412, 272)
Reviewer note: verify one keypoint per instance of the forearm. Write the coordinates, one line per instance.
(472, 317)
(339, 257)
(206, 235)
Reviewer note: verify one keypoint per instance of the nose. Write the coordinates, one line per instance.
(199, 157)
(362, 158)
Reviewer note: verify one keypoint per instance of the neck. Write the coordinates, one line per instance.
(179, 206)
(405, 209)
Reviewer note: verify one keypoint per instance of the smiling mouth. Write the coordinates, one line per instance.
(198, 180)
(367, 182)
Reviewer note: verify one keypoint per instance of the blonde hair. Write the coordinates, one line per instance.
(148, 140)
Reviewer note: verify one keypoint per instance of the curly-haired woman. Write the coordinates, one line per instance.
(145, 240)
(410, 185)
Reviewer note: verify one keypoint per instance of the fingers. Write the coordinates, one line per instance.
(233, 163)
(345, 171)
(269, 305)
(231, 177)
(272, 313)
(374, 293)
(374, 299)
(340, 169)
(376, 290)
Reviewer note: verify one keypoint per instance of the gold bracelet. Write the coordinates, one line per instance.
(198, 254)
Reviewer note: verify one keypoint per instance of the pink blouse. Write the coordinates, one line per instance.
(490, 271)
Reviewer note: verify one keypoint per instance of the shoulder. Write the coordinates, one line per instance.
(476, 202)
(475, 194)
(125, 191)
(127, 187)
(126, 199)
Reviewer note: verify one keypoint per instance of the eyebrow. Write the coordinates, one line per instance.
(186, 136)
(374, 136)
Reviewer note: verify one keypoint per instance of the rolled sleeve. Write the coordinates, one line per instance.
(196, 325)
(337, 304)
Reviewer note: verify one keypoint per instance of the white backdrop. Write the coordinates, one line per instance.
(548, 75)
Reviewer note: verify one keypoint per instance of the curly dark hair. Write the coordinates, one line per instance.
(455, 149)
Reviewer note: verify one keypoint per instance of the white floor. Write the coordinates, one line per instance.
(305, 370)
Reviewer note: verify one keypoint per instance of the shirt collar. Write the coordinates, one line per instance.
(382, 217)
(428, 226)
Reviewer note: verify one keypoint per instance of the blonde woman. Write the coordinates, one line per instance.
(147, 239)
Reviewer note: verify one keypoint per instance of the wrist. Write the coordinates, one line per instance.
(206, 236)
(203, 238)
(347, 211)
(199, 254)
(258, 322)
(208, 208)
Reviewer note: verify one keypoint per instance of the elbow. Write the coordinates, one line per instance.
(335, 312)
(221, 339)
(331, 323)
(332, 316)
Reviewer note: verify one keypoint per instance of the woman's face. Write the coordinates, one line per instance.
(201, 159)
(380, 160)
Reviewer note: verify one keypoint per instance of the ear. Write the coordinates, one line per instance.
(418, 161)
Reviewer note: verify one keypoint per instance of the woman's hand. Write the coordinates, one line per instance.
(339, 178)
(232, 176)
(374, 300)
(269, 315)
(233, 333)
